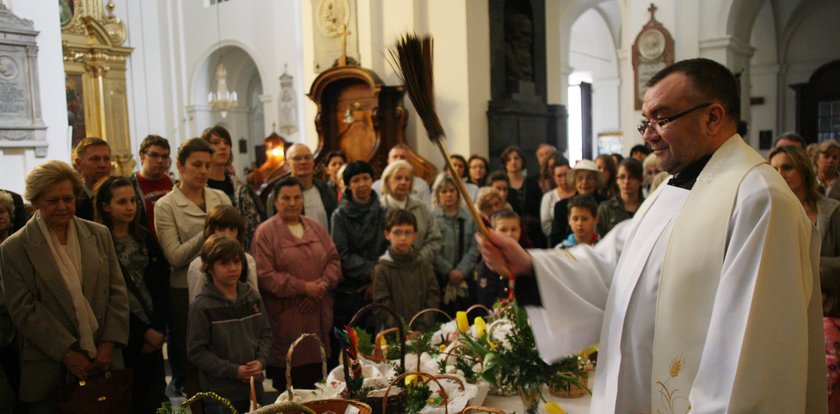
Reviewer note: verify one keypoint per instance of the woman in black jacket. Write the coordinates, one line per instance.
(146, 274)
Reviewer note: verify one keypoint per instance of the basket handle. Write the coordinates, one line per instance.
(421, 313)
(425, 311)
(213, 396)
(450, 353)
(365, 309)
(284, 407)
(479, 306)
(452, 378)
(481, 408)
(377, 347)
(419, 374)
(289, 360)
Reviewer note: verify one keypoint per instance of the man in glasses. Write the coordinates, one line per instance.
(708, 299)
(152, 181)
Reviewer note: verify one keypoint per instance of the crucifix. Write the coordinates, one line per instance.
(342, 60)
(652, 10)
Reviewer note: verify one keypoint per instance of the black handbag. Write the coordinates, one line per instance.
(109, 392)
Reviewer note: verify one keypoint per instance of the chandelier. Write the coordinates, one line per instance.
(222, 99)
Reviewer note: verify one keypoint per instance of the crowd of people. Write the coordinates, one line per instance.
(101, 272)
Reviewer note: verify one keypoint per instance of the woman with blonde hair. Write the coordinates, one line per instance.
(64, 290)
(455, 262)
(793, 164)
(397, 180)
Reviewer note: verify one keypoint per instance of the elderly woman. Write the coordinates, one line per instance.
(562, 190)
(64, 290)
(489, 202)
(397, 180)
(179, 225)
(827, 161)
(455, 262)
(624, 205)
(297, 266)
(793, 164)
(586, 179)
(7, 212)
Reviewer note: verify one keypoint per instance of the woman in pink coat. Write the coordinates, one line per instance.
(297, 267)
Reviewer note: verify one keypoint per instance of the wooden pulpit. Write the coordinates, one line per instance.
(361, 116)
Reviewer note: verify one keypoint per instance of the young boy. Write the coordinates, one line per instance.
(401, 279)
(223, 220)
(228, 335)
(583, 216)
(492, 286)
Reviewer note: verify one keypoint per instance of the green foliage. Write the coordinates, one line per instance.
(365, 342)
(417, 396)
(519, 364)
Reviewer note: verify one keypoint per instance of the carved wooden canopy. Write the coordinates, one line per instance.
(361, 116)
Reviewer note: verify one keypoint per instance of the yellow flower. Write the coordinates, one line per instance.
(553, 408)
(442, 348)
(480, 326)
(463, 322)
(411, 380)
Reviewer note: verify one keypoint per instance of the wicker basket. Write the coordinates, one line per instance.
(386, 407)
(319, 406)
(574, 390)
(395, 403)
(284, 407)
(290, 353)
(481, 409)
(211, 396)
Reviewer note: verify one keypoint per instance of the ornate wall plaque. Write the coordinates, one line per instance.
(653, 50)
(335, 32)
(288, 104)
(21, 124)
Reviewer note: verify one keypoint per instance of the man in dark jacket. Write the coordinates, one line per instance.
(357, 229)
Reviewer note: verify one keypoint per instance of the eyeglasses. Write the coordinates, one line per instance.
(402, 233)
(658, 124)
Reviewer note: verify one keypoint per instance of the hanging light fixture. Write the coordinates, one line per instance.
(223, 99)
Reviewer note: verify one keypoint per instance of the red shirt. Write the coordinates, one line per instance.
(153, 190)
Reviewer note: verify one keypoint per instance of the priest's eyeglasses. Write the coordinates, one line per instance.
(658, 124)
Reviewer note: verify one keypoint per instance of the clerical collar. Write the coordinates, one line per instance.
(686, 178)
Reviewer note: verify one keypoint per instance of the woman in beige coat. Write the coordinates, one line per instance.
(179, 224)
(64, 290)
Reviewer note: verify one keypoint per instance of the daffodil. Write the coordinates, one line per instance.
(411, 380)
(553, 408)
(463, 322)
(442, 348)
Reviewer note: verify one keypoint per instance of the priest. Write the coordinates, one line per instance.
(708, 300)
